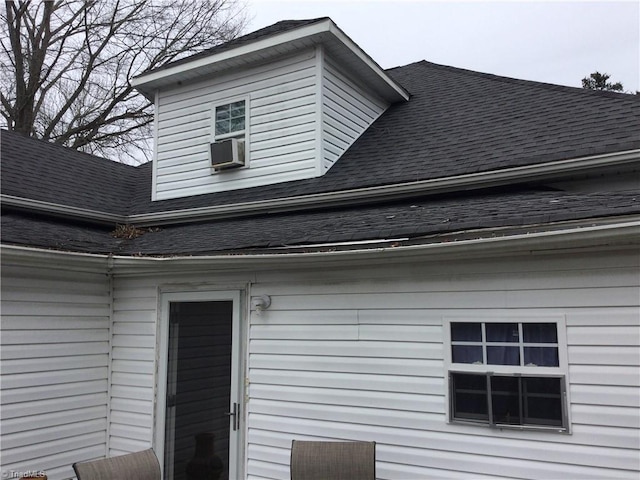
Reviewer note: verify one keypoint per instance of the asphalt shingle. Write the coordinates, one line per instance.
(47, 172)
(456, 122)
(459, 122)
(406, 219)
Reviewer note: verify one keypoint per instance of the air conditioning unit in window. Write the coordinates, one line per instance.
(227, 153)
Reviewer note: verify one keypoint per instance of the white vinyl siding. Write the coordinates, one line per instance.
(280, 120)
(338, 357)
(347, 111)
(357, 353)
(342, 353)
(133, 366)
(55, 358)
(302, 112)
(348, 352)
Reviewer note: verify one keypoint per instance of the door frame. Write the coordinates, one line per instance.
(238, 347)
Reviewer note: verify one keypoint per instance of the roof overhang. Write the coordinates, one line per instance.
(324, 32)
(566, 238)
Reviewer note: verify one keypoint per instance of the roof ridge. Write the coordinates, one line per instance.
(530, 83)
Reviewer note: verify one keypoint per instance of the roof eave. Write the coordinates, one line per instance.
(606, 235)
(364, 195)
(322, 32)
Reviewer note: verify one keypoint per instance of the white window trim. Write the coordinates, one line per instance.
(562, 370)
(246, 133)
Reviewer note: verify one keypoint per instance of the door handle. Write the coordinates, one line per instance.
(235, 414)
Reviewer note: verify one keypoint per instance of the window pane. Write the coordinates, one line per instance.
(502, 332)
(222, 112)
(542, 401)
(503, 355)
(222, 127)
(539, 333)
(237, 109)
(230, 118)
(466, 353)
(541, 356)
(469, 393)
(466, 332)
(237, 124)
(505, 400)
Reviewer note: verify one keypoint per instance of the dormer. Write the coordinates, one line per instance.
(280, 104)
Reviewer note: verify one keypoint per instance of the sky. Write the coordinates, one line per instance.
(548, 41)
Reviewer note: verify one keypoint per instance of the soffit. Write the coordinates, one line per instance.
(325, 33)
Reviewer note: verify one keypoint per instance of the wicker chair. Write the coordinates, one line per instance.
(333, 460)
(139, 466)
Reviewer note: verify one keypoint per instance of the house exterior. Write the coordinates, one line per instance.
(442, 261)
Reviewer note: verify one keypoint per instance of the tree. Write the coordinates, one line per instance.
(599, 81)
(65, 65)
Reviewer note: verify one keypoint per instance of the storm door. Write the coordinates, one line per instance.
(202, 409)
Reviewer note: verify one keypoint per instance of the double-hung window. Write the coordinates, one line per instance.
(230, 133)
(230, 120)
(508, 373)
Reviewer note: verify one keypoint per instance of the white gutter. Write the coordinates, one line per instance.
(367, 195)
(359, 196)
(616, 235)
(62, 210)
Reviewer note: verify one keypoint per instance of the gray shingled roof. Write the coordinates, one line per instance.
(459, 122)
(47, 172)
(456, 122)
(411, 219)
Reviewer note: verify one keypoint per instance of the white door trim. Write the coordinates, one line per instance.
(237, 368)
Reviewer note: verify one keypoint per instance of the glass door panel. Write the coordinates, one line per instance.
(199, 381)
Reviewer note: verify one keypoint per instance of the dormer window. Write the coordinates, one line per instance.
(230, 135)
(230, 120)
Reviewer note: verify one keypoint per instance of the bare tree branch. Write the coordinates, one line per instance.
(66, 65)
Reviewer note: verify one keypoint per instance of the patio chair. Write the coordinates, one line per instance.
(139, 466)
(333, 460)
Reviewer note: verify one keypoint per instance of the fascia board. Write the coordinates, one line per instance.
(270, 42)
(55, 259)
(146, 82)
(361, 196)
(570, 239)
(368, 61)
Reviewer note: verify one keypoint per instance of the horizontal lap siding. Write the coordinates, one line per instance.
(55, 357)
(133, 366)
(347, 111)
(357, 353)
(603, 373)
(135, 350)
(338, 358)
(282, 97)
